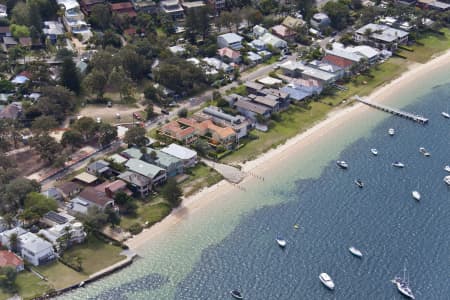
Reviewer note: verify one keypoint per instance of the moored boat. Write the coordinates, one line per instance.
(447, 168)
(359, 183)
(391, 131)
(402, 285)
(236, 294)
(447, 180)
(342, 164)
(424, 151)
(398, 164)
(281, 242)
(326, 280)
(416, 195)
(374, 151)
(445, 115)
(355, 252)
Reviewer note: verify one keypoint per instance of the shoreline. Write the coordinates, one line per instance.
(272, 158)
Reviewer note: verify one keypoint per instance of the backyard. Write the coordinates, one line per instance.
(29, 286)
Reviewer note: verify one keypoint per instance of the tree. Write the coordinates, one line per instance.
(126, 203)
(43, 124)
(96, 82)
(106, 133)
(6, 86)
(72, 138)
(56, 101)
(339, 14)
(182, 113)
(38, 205)
(135, 136)
(197, 22)
(133, 63)
(13, 194)
(8, 279)
(100, 16)
(119, 81)
(94, 220)
(47, 147)
(112, 217)
(149, 112)
(225, 20)
(151, 93)
(306, 7)
(172, 192)
(86, 126)
(70, 76)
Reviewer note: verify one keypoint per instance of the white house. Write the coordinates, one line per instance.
(35, 249)
(230, 40)
(382, 36)
(320, 21)
(188, 156)
(56, 233)
(272, 40)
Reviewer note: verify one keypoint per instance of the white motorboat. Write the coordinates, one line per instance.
(447, 180)
(326, 280)
(355, 252)
(374, 151)
(391, 131)
(424, 151)
(447, 168)
(416, 195)
(402, 285)
(359, 183)
(342, 164)
(445, 115)
(236, 294)
(398, 164)
(281, 242)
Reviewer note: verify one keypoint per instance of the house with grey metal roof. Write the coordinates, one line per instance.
(171, 164)
(251, 110)
(230, 40)
(381, 36)
(186, 155)
(35, 249)
(137, 183)
(98, 168)
(156, 174)
(298, 69)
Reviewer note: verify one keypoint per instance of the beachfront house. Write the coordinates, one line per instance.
(171, 164)
(137, 183)
(186, 155)
(90, 197)
(35, 249)
(298, 69)
(64, 235)
(381, 36)
(156, 174)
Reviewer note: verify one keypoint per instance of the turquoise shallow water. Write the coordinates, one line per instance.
(230, 244)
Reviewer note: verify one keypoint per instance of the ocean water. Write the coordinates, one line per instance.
(231, 243)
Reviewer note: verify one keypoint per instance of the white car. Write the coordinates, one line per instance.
(98, 120)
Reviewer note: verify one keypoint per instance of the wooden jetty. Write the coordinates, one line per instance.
(394, 111)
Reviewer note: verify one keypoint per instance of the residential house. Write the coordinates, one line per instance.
(217, 5)
(36, 250)
(112, 188)
(238, 123)
(86, 178)
(90, 197)
(278, 95)
(251, 110)
(342, 58)
(258, 31)
(381, 36)
(73, 18)
(8, 42)
(230, 40)
(172, 8)
(132, 152)
(10, 260)
(253, 87)
(433, 4)
(258, 45)
(217, 64)
(53, 218)
(146, 6)
(267, 101)
(11, 111)
(53, 193)
(137, 183)
(86, 6)
(254, 58)
(5, 236)
(293, 23)
(187, 5)
(324, 65)
(216, 135)
(320, 21)
(53, 30)
(124, 9)
(3, 12)
(371, 54)
(118, 159)
(229, 55)
(156, 174)
(273, 41)
(69, 189)
(5, 31)
(186, 155)
(270, 81)
(283, 32)
(74, 233)
(299, 69)
(171, 164)
(99, 168)
(179, 132)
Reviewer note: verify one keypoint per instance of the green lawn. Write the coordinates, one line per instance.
(28, 285)
(201, 176)
(296, 119)
(432, 45)
(151, 212)
(96, 255)
(59, 275)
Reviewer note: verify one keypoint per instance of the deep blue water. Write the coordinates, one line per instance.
(382, 220)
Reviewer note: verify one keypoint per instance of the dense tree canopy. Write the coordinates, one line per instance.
(339, 14)
(172, 192)
(13, 194)
(135, 136)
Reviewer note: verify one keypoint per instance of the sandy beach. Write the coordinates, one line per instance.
(273, 157)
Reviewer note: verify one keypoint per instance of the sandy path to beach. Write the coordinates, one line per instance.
(272, 158)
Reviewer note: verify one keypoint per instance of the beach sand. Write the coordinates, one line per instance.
(271, 159)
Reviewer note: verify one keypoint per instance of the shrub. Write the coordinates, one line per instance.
(135, 228)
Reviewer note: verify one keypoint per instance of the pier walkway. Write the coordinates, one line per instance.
(394, 111)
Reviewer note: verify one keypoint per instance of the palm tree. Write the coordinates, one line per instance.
(13, 242)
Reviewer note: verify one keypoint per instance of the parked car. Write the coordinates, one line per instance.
(137, 116)
(164, 111)
(98, 120)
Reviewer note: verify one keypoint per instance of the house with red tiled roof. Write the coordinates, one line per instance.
(11, 260)
(229, 55)
(111, 188)
(283, 32)
(176, 131)
(216, 135)
(123, 8)
(341, 62)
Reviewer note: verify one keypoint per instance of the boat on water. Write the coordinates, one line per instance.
(398, 164)
(416, 195)
(374, 151)
(391, 131)
(359, 183)
(424, 151)
(447, 168)
(447, 180)
(342, 164)
(402, 285)
(445, 115)
(326, 280)
(236, 294)
(281, 242)
(355, 252)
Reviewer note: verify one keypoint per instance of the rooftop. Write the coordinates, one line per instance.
(34, 243)
(86, 178)
(382, 32)
(135, 178)
(230, 53)
(231, 38)
(256, 108)
(9, 259)
(94, 196)
(143, 168)
(179, 151)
